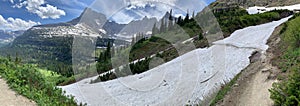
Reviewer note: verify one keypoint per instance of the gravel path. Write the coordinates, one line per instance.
(10, 98)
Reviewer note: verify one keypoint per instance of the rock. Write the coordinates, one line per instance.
(236, 85)
(265, 70)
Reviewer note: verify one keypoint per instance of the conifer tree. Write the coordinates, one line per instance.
(171, 17)
(187, 17)
(107, 52)
(170, 22)
(180, 21)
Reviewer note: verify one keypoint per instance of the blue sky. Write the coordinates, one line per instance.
(22, 14)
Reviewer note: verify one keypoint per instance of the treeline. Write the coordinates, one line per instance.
(104, 59)
(134, 68)
(286, 92)
(169, 23)
(171, 28)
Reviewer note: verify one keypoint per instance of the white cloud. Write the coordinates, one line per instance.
(49, 12)
(2, 20)
(36, 7)
(20, 5)
(15, 24)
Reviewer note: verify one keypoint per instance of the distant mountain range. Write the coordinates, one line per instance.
(52, 43)
(8, 36)
(92, 23)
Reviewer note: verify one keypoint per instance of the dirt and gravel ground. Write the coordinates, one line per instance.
(251, 88)
(9, 98)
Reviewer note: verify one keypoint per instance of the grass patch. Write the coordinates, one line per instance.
(224, 90)
(286, 92)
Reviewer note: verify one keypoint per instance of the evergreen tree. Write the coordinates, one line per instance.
(171, 17)
(170, 22)
(9, 58)
(17, 59)
(200, 36)
(107, 54)
(187, 17)
(180, 21)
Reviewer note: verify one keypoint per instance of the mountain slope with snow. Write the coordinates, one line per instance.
(258, 9)
(186, 79)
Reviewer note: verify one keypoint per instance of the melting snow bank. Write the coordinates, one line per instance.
(255, 37)
(256, 9)
(187, 79)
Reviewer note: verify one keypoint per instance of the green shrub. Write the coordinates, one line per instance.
(28, 80)
(287, 92)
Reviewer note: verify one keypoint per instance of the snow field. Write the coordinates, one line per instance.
(184, 80)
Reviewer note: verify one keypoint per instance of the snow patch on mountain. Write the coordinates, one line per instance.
(258, 41)
(77, 30)
(257, 9)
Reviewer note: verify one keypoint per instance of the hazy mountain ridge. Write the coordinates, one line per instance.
(143, 26)
(8, 36)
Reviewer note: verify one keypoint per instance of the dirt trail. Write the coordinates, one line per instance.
(251, 88)
(10, 98)
(256, 92)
